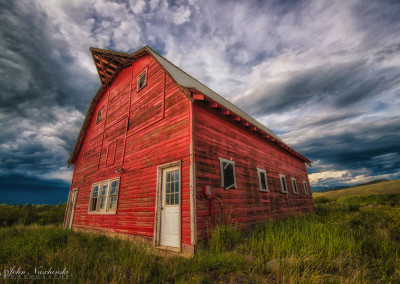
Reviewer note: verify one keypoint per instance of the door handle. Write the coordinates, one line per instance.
(162, 208)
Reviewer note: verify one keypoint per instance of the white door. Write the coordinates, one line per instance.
(71, 208)
(170, 208)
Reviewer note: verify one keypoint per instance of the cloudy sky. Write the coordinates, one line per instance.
(324, 75)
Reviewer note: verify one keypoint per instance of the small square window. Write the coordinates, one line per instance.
(228, 179)
(262, 179)
(99, 113)
(305, 187)
(294, 185)
(283, 183)
(142, 80)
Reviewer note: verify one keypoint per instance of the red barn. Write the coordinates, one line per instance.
(162, 157)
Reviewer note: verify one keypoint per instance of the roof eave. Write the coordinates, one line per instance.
(199, 96)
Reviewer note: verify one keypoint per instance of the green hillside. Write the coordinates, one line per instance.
(385, 187)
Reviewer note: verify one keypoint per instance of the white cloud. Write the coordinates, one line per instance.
(137, 6)
(181, 15)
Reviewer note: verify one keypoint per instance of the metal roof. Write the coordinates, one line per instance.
(188, 82)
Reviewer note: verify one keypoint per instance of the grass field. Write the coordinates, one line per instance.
(385, 187)
(350, 240)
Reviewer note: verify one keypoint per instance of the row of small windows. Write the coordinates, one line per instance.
(228, 178)
(104, 196)
(141, 83)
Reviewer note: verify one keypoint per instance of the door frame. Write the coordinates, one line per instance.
(157, 223)
(68, 225)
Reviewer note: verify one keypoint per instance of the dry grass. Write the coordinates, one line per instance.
(386, 187)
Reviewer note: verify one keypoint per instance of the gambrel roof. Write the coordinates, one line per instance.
(110, 63)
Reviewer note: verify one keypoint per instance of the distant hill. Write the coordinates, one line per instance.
(371, 188)
(343, 187)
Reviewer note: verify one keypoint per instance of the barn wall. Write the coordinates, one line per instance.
(139, 131)
(216, 136)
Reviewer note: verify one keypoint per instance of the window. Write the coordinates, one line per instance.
(141, 80)
(94, 198)
(283, 183)
(98, 118)
(305, 187)
(228, 179)
(104, 196)
(172, 192)
(114, 194)
(294, 184)
(262, 179)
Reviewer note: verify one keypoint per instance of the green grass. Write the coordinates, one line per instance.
(385, 187)
(350, 240)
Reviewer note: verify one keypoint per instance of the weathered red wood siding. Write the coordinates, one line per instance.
(157, 119)
(217, 136)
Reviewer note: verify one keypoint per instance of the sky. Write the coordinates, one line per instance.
(323, 75)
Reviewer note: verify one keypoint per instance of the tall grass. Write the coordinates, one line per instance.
(30, 214)
(346, 241)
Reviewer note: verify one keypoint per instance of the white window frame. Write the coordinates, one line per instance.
(305, 187)
(107, 183)
(109, 194)
(145, 80)
(91, 197)
(294, 186)
(221, 161)
(283, 187)
(259, 173)
(107, 209)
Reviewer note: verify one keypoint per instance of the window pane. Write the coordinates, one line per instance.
(177, 198)
(94, 203)
(113, 203)
(177, 186)
(114, 187)
(168, 187)
(168, 200)
(142, 80)
(103, 203)
(228, 175)
(283, 180)
(168, 177)
(176, 175)
(263, 182)
(172, 199)
(96, 191)
(98, 116)
(104, 189)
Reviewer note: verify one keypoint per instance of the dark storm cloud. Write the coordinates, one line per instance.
(37, 69)
(356, 148)
(43, 93)
(339, 85)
